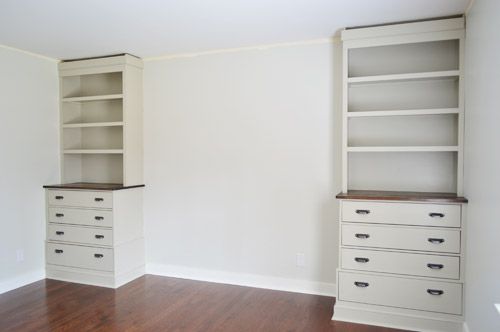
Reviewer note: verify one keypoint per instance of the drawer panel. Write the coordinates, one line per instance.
(86, 217)
(79, 256)
(435, 296)
(78, 198)
(402, 237)
(84, 235)
(435, 266)
(441, 215)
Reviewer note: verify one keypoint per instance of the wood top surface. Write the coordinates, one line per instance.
(402, 196)
(91, 186)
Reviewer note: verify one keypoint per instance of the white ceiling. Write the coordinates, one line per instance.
(65, 29)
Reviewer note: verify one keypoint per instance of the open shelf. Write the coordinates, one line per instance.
(447, 74)
(403, 149)
(93, 124)
(436, 111)
(93, 151)
(92, 98)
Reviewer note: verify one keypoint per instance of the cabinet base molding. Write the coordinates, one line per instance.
(402, 319)
(94, 278)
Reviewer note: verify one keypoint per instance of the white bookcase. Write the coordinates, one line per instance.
(101, 120)
(403, 107)
(402, 218)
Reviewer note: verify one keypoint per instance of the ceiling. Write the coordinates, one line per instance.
(66, 29)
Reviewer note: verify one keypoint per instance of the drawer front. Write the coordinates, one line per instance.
(84, 235)
(441, 215)
(100, 218)
(88, 199)
(409, 238)
(100, 259)
(435, 266)
(435, 296)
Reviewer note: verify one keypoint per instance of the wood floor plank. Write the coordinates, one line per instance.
(153, 303)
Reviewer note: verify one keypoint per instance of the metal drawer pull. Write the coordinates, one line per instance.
(99, 199)
(98, 218)
(361, 259)
(363, 212)
(361, 284)
(98, 255)
(58, 251)
(97, 236)
(362, 236)
(435, 266)
(59, 215)
(435, 291)
(435, 241)
(436, 215)
(59, 197)
(59, 233)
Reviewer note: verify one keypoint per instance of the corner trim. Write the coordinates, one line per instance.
(36, 55)
(242, 49)
(243, 279)
(21, 280)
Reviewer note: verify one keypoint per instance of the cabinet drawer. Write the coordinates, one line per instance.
(79, 256)
(435, 266)
(89, 199)
(436, 296)
(86, 217)
(402, 237)
(85, 235)
(441, 215)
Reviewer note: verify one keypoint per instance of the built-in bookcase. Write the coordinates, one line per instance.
(403, 108)
(101, 120)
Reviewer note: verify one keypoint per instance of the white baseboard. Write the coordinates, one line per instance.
(21, 280)
(243, 279)
(465, 327)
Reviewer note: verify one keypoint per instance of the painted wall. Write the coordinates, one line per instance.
(241, 169)
(29, 146)
(483, 165)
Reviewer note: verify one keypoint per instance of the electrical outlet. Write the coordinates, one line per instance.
(301, 259)
(19, 255)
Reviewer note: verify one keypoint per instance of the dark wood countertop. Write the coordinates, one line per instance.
(91, 186)
(402, 196)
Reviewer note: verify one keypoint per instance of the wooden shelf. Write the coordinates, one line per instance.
(93, 151)
(93, 124)
(405, 77)
(436, 111)
(92, 98)
(402, 149)
(402, 196)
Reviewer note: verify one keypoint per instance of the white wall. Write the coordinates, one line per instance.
(29, 146)
(483, 165)
(240, 168)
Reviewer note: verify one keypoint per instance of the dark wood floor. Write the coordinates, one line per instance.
(153, 303)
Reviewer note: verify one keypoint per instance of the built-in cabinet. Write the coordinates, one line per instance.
(94, 217)
(402, 216)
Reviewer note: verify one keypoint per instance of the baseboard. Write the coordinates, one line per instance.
(21, 280)
(243, 279)
(465, 327)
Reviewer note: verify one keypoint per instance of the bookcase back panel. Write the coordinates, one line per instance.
(404, 58)
(96, 168)
(95, 111)
(402, 171)
(421, 130)
(92, 85)
(93, 138)
(403, 95)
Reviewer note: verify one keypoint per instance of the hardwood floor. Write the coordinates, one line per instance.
(154, 303)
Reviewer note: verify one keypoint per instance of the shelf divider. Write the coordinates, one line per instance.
(93, 124)
(92, 98)
(404, 77)
(452, 148)
(93, 151)
(435, 111)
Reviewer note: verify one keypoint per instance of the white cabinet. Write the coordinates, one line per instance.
(98, 244)
(401, 221)
(94, 218)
